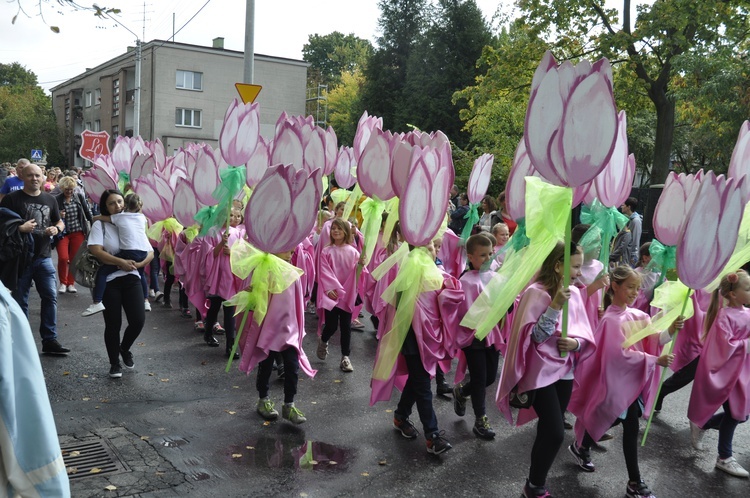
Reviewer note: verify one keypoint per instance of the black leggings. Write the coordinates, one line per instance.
(212, 317)
(678, 380)
(123, 292)
(482, 365)
(168, 282)
(291, 369)
(550, 403)
(629, 440)
(339, 318)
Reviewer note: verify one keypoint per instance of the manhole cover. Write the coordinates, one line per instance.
(91, 458)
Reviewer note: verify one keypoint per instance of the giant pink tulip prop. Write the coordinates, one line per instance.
(102, 176)
(239, 132)
(365, 127)
(479, 181)
(345, 167)
(300, 142)
(570, 128)
(294, 195)
(258, 163)
(739, 165)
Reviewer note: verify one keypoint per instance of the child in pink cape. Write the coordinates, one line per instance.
(337, 290)
(221, 283)
(533, 361)
(501, 232)
(480, 357)
(649, 279)
(614, 384)
(280, 333)
(452, 254)
(375, 288)
(424, 347)
(593, 277)
(303, 258)
(723, 374)
(188, 265)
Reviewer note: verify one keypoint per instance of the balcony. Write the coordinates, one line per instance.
(130, 97)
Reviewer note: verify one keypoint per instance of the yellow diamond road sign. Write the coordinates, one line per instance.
(248, 93)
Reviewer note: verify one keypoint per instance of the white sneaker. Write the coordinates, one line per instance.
(61, 290)
(93, 309)
(696, 436)
(731, 467)
(72, 289)
(151, 293)
(346, 364)
(147, 305)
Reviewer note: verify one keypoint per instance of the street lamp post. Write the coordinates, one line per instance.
(137, 95)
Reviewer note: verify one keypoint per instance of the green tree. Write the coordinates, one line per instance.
(402, 23)
(39, 7)
(344, 105)
(443, 61)
(332, 54)
(26, 118)
(651, 47)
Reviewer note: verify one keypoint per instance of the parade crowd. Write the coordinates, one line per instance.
(544, 375)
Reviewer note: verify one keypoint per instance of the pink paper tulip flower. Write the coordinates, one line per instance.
(365, 126)
(143, 166)
(345, 168)
(400, 164)
(203, 172)
(157, 197)
(99, 178)
(160, 155)
(424, 202)
(374, 165)
(571, 121)
(615, 182)
(739, 166)
(479, 180)
(710, 233)
(258, 164)
(125, 150)
(185, 204)
(676, 200)
(239, 133)
(515, 187)
(331, 151)
(283, 208)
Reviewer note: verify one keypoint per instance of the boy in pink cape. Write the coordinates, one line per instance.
(614, 384)
(281, 331)
(534, 362)
(424, 347)
(481, 357)
(723, 374)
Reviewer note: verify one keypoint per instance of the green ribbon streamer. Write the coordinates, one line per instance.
(547, 211)
(605, 223)
(670, 297)
(271, 275)
(663, 259)
(416, 275)
(353, 201)
(372, 216)
(206, 218)
(519, 240)
(232, 180)
(191, 232)
(472, 217)
(156, 232)
(391, 208)
(123, 181)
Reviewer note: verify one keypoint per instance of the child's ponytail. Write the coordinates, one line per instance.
(725, 287)
(548, 276)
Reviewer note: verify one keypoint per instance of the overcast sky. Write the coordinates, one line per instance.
(282, 28)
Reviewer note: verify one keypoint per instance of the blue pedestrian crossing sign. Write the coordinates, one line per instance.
(36, 154)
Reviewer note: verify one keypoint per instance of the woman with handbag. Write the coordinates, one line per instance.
(123, 291)
(75, 212)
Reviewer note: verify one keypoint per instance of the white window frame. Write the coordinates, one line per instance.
(187, 82)
(97, 125)
(88, 99)
(180, 121)
(98, 96)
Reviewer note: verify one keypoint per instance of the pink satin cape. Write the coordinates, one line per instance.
(452, 254)
(219, 279)
(611, 379)
(282, 328)
(530, 365)
(434, 315)
(589, 271)
(723, 369)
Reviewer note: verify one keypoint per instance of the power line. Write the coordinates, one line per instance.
(183, 26)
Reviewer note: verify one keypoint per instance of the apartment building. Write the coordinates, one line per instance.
(185, 91)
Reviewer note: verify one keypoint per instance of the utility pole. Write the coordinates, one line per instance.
(137, 92)
(249, 42)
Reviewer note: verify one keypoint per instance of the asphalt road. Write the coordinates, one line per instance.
(182, 426)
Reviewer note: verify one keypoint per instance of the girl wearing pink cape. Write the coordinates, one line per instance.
(221, 283)
(337, 290)
(188, 265)
(424, 347)
(723, 374)
(593, 277)
(303, 258)
(533, 361)
(480, 357)
(649, 279)
(280, 333)
(615, 383)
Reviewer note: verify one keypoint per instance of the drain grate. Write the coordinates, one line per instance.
(90, 459)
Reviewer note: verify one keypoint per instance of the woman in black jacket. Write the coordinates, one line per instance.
(75, 212)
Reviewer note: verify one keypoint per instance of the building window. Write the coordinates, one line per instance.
(88, 125)
(189, 80)
(115, 98)
(97, 125)
(188, 117)
(88, 99)
(97, 96)
(115, 131)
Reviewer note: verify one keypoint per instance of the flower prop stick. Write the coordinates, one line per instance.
(294, 195)
(570, 128)
(479, 181)
(714, 215)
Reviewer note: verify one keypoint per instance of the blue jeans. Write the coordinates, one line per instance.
(418, 390)
(106, 270)
(42, 272)
(726, 425)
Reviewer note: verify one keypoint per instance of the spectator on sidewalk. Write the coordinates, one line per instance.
(13, 183)
(42, 216)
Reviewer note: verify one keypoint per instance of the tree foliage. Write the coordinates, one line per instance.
(26, 118)
(333, 54)
(40, 6)
(651, 47)
(344, 106)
